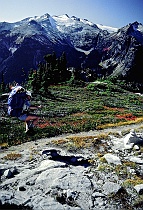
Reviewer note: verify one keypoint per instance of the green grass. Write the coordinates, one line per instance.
(74, 109)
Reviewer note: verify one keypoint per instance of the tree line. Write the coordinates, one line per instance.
(52, 71)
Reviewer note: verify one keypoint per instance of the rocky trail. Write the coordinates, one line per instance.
(53, 174)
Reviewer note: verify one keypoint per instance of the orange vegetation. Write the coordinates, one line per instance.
(126, 116)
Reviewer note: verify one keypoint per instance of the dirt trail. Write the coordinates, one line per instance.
(42, 143)
(118, 129)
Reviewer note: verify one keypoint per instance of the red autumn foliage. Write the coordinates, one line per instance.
(126, 117)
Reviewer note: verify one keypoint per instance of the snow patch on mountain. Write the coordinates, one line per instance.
(12, 49)
(86, 22)
(86, 52)
(108, 28)
(137, 27)
(34, 18)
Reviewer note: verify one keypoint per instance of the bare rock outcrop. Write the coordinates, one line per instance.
(45, 176)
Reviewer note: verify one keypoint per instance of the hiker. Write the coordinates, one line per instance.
(19, 105)
(14, 108)
(30, 119)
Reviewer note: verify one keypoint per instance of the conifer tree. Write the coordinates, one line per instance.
(64, 73)
(2, 85)
(34, 82)
(53, 71)
(54, 60)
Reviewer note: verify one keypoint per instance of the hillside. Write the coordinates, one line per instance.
(74, 109)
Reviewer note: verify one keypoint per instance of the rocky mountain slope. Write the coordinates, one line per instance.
(87, 45)
(124, 52)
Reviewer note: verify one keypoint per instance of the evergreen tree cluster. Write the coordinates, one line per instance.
(52, 71)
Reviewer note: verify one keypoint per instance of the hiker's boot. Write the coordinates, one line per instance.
(30, 125)
(27, 128)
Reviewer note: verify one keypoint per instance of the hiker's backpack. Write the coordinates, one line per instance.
(16, 101)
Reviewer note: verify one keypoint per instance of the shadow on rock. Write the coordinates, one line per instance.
(14, 207)
(70, 160)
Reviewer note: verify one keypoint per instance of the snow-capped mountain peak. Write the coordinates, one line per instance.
(66, 21)
(24, 44)
(63, 20)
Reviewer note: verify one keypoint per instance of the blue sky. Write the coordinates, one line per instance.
(115, 13)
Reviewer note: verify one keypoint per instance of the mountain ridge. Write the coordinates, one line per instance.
(24, 43)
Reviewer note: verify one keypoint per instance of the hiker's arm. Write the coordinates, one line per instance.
(34, 107)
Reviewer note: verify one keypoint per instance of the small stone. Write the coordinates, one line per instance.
(139, 189)
(136, 147)
(136, 160)
(112, 159)
(111, 187)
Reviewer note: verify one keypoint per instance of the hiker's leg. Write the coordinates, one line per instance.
(32, 118)
(29, 119)
(27, 128)
(23, 118)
